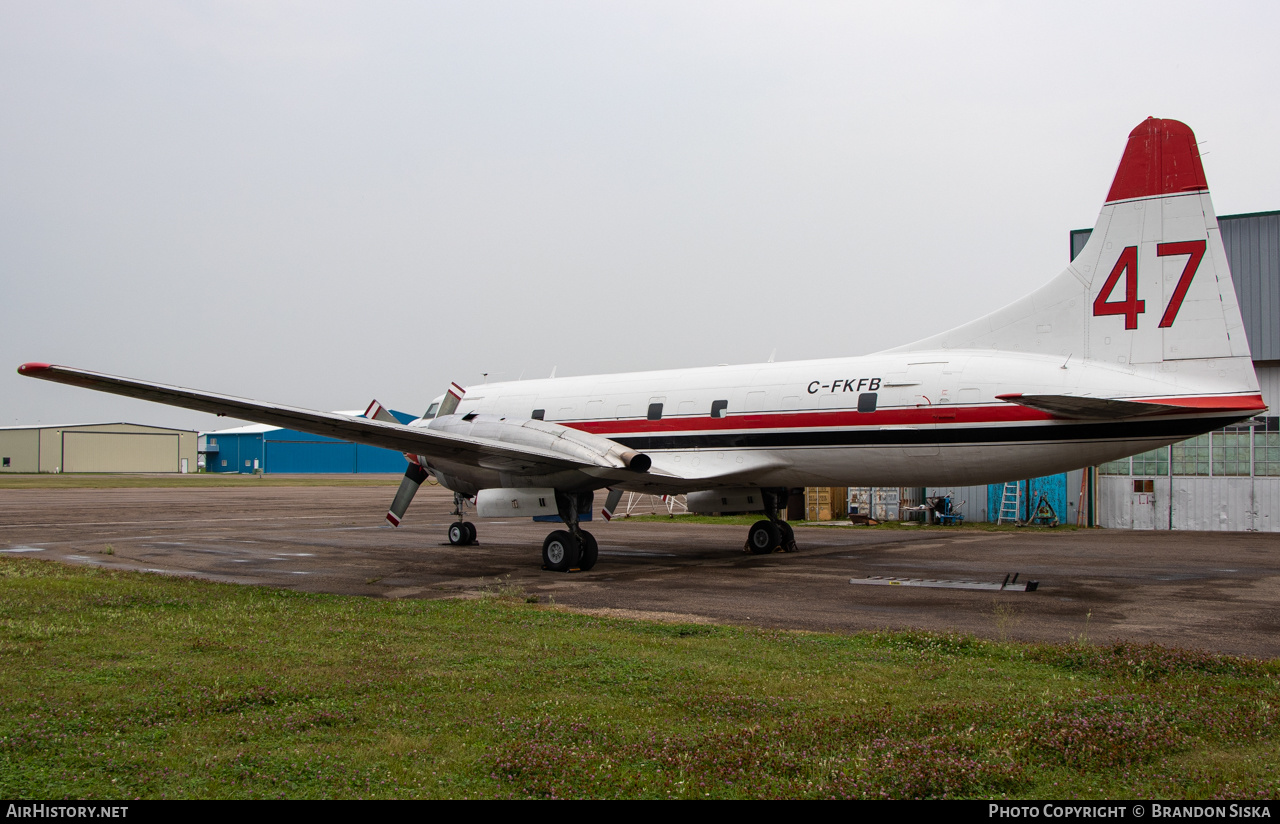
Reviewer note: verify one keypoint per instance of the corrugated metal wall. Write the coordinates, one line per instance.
(1203, 504)
(90, 451)
(104, 447)
(373, 459)
(969, 501)
(236, 453)
(309, 456)
(289, 451)
(1253, 251)
(1269, 382)
(21, 448)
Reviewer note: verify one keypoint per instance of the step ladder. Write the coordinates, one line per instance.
(1009, 502)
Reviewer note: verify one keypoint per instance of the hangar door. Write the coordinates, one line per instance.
(119, 452)
(310, 456)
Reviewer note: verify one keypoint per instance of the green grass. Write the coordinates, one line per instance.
(127, 685)
(190, 481)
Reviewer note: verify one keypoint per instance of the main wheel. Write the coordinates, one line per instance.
(764, 537)
(458, 535)
(471, 532)
(590, 551)
(560, 551)
(788, 536)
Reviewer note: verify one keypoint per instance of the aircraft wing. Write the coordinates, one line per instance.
(487, 452)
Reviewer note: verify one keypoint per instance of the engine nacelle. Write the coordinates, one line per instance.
(743, 499)
(552, 437)
(521, 503)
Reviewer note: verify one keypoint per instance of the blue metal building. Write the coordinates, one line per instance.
(245, 449)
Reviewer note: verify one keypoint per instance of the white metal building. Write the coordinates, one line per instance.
(97, 447)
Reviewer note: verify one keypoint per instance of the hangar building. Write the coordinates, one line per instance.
(245, 449)
(97, 447)
(1227, 480)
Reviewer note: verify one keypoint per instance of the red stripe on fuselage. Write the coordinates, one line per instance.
(842, 418)
(946, 414)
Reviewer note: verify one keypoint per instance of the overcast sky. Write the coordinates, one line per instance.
(321, 203)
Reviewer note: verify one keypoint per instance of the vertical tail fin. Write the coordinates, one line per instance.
(1151, 287)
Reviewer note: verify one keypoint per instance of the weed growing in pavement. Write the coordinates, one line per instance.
(1006, 617)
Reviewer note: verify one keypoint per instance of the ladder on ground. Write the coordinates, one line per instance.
(1009, 503)
(1082, 508)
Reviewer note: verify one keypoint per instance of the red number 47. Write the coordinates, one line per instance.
(1127, 265)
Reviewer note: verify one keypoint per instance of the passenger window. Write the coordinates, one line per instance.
(538, 414)
(655, 412)
(867, 402)
(719, 409)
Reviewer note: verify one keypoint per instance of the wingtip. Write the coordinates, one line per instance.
(32, 369)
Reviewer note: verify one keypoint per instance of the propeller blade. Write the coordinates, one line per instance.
(413, 478)
(611, 503)
(378, 412)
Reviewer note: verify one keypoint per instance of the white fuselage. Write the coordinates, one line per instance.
(926, 418)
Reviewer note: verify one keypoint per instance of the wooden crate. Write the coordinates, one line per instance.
(826, 503)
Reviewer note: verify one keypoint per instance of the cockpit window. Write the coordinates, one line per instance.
(431, 410)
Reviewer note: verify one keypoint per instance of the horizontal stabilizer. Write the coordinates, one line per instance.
(1074, 406)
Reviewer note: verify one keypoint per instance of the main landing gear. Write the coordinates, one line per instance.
(572, 548)
(775, 534)
(462, 532)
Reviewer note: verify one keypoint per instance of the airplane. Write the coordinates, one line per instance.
(1137, 344)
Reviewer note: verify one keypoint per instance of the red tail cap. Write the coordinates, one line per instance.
(1161, 158)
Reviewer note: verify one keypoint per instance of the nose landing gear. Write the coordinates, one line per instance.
(461, 532)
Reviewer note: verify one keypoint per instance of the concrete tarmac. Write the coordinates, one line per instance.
(1216, 591)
